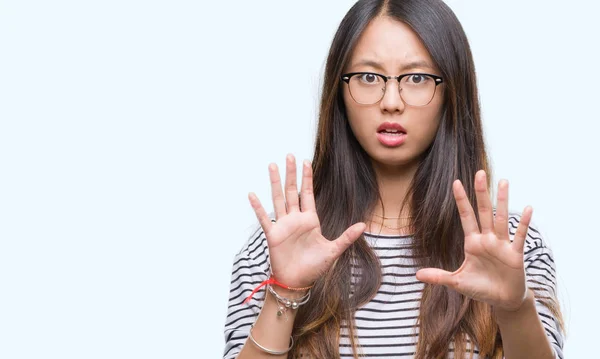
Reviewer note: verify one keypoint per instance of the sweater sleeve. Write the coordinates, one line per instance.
(250, 268)
(540, 272)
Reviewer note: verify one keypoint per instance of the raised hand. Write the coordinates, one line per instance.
(493, 270)
(299, 254)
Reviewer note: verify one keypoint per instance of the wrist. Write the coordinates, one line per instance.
(505, 315)
(289, 293)
(287, 304)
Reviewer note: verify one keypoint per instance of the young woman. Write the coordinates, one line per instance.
(391, 247)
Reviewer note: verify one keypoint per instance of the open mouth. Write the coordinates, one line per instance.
(392, 132)
(391, 137)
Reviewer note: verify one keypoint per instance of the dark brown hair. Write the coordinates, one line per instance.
(346, 191)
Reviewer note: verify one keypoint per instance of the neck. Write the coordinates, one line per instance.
(393, 187)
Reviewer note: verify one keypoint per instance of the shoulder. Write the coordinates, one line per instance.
(254, 253)
(250, 268)
(535, 244)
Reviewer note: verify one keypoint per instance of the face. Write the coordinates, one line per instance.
(389, 47)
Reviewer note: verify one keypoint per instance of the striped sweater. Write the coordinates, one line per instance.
(386, 326)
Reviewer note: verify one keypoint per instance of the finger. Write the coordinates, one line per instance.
(347, 238)
(521, 234)
(276, 191)
(307, 194)
(484, 203)
(465, 210)
(291, 189)
(261, 214)
(501, 220)
(437, 276)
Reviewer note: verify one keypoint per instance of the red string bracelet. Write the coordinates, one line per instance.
(275, 282)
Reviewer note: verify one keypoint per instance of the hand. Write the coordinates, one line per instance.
(493, 270)
(299, 254)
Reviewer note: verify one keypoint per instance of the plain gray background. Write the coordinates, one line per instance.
(132, 131)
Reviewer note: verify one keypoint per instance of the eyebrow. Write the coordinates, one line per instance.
(407, 66)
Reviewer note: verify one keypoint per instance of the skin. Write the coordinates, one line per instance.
(391, 48)
(493, 270)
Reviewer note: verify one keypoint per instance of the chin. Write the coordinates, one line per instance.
(395, 160)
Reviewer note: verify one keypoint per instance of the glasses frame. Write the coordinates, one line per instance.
(346, 78)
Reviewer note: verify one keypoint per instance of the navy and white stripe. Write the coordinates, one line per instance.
(386, 326)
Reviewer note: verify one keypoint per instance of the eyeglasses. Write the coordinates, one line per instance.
(416, 89)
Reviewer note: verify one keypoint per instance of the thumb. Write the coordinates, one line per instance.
(349, 236)
(436, 276)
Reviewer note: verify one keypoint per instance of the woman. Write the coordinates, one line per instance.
(394, 248)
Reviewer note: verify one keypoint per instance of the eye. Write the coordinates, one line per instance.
(417, 79)
(369, 78)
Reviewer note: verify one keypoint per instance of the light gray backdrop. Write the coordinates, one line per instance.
(132, 131)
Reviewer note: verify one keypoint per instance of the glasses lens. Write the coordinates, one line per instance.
(366, 89)
(417, 90)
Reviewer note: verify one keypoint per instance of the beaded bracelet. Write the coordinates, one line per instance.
(288, 303)
(272, 280)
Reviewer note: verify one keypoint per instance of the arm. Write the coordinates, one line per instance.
(534, 327)
(250, 268)
(522, 332)
(270, 331)
(289, 247)
(498, 271)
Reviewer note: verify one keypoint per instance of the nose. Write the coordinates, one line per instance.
(392, 101)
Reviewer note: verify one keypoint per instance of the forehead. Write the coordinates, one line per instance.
(390, 43)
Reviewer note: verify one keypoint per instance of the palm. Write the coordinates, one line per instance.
(296, 249)
(493, 270)
(299, 253)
